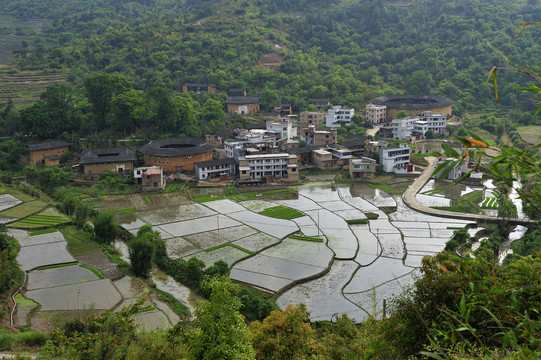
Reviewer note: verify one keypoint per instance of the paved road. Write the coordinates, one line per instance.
(411, 201)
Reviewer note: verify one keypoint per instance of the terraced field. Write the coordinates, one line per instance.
(24, 87)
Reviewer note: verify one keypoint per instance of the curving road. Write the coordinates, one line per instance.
(410, 200)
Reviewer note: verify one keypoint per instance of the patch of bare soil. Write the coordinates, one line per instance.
(102, 263)
(46, 321)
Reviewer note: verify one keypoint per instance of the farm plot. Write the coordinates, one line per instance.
(204, 199)
(428, 246)
(115, 202)
(34, 256)
(257, 205)
(174, 214)
(369, 248)
(372, 300)
(356, 202)
(304, 252)
(302, 204)
(25, 209)
(335, 206)
(323, 297)
(39, 279)
(381, 271)
(41, 220)
(307, 225)
(260, 194)
(98, 295)
(225, 206)
(129, 221)
(227, 253)
(8, 201)
(26, 240)
(426, 233)
(350, 214)
(198, 225)
(319, 192)
(178, 247)
(271, 273)
(278, 227)
(392, 245)
(256, 242)
(281, 212)
(210, 239)
(341, 239)
(489, 203)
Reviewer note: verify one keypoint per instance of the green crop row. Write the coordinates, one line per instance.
(489, 203)
(306, 238)
(281, 212)
(357, 221)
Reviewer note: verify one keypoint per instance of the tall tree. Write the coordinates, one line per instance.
(100, 90)
(218, 330)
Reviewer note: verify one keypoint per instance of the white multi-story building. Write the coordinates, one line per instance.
(435, 121)
(420, 127)
(283, 128)
(376, 114)
(396, 159)
(221, 168)
(233, 148)
(337, 117)
(272, 166)
(402, 128)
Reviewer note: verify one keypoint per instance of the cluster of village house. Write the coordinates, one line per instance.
(267, 151)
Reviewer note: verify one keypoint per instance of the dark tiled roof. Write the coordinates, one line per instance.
(412, 102)
(299, 150)
(106, 155)
(360, 142)
(199, 85)
(242, 100)
(176, 147)
(48, 144)
(228, 161)
(260, 125)
(226, 132)
(321, 100)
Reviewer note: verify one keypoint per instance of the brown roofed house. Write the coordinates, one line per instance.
(47, 153)
(242, 105)
(96, 161)
(198, 88)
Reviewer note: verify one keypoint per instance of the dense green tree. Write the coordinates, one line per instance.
(105, 227)
(101, 89)
(141, 251)
(429, 134)
(51, 177)
(285, 335)
(218, 330)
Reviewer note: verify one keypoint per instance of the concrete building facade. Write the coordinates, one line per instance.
(363, 168)
(337, 117)
(376, 114)
(275, 167)
(396, 159)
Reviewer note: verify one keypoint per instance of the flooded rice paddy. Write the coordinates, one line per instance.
(351, 271)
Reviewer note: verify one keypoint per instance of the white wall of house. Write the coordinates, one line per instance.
(337, 116)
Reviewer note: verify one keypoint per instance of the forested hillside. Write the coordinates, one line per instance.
(350, 51)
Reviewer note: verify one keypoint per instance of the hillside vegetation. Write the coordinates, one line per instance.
(350, 51)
